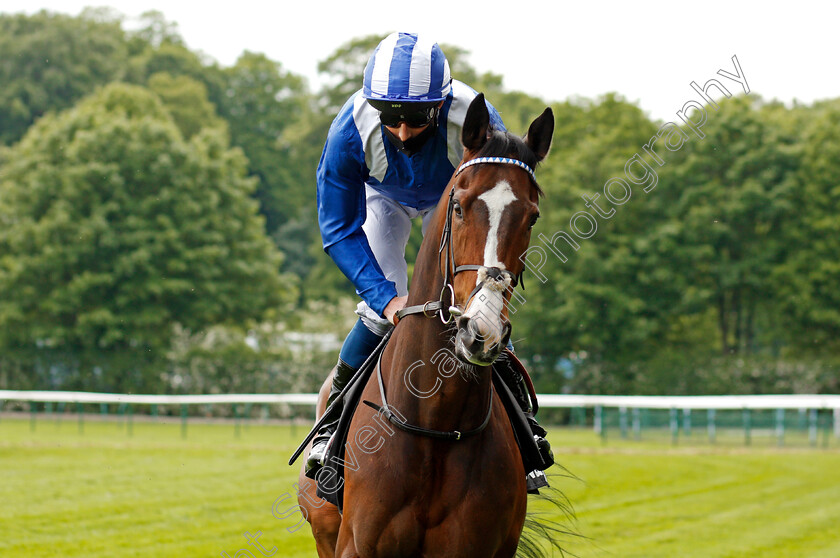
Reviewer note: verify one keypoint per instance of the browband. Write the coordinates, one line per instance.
(502, 160)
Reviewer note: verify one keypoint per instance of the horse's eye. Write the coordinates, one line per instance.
(457, 209)
(533, 221)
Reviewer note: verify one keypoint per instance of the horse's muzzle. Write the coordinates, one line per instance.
(476, 347)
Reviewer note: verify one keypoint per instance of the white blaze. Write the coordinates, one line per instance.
(496, 201)
(486, 306)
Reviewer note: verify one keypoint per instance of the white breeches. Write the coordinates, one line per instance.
(387, 227)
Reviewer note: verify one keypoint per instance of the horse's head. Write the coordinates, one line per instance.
(492, 205)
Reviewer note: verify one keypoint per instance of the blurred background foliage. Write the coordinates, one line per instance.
(158, 230)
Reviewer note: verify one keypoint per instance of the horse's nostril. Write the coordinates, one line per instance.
(506, 336)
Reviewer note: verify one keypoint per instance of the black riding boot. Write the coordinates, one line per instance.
(343, 373)
(515, 381)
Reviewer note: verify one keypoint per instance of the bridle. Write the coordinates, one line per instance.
(446, 255)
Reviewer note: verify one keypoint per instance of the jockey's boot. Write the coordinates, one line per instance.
(514, 375)
(320, 443)
(357, 347)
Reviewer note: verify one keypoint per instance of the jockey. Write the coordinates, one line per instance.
(388, 156)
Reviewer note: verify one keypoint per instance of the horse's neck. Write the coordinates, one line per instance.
(425, 381)
(427, 384)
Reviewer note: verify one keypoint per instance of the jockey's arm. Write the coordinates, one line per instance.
(341, 179)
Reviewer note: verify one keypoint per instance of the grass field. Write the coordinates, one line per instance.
(105, 493)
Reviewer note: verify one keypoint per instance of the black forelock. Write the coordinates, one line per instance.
(505, 144)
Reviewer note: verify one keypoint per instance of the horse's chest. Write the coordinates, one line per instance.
(441, 509)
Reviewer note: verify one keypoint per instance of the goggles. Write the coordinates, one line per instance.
(414, 119)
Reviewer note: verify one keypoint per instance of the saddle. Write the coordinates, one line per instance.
(330, 485)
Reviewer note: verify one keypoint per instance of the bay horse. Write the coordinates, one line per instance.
(450, 482)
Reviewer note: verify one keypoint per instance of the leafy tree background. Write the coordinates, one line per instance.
(116, 226)
(158, 232)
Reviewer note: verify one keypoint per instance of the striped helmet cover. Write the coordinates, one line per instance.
(407, 67)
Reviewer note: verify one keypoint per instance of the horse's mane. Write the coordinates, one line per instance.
(505, 144)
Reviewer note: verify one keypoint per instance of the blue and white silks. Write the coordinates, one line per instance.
(357, 155)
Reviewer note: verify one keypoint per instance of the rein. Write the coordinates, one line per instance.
(431, 307)
(454, 435)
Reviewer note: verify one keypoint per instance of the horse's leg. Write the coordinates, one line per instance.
(323, 517)
(346, 547)
(325, 531)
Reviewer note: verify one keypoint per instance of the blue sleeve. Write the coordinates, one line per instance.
(341, 180)
(495, 118)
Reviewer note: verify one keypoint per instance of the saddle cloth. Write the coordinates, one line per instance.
(330, 480)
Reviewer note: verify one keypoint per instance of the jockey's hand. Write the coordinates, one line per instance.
(397, 303)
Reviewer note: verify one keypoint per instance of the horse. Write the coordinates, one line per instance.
(449, 482)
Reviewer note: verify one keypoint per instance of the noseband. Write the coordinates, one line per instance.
(446, 255)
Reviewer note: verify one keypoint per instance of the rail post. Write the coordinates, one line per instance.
(183, 421)
(599, 422)
(747, 417)
(637, 423)
(622, 421)
(675, 426)
(80, 412)
(33, 415)
(236, 431)
(780, 427)
(710, 425)
(837, 423)
(687, 422)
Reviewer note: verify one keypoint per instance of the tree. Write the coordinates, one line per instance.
(593, 303)
(155, 30)
(345, 68)
(50, 61)
(186, 100)
(730, 198)
(809, 304)
(114, 228)
(261, 102)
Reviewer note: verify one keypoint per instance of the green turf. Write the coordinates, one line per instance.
(104, 493)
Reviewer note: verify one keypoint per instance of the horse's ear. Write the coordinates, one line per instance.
(539, 134)
(476, 123)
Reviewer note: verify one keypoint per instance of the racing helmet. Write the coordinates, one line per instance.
(406, 68)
